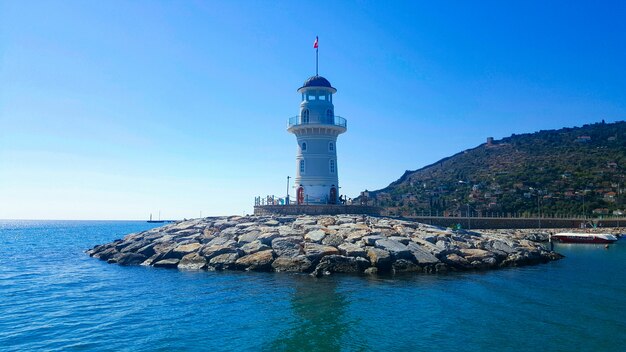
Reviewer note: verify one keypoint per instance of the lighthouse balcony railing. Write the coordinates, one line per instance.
(334, 120)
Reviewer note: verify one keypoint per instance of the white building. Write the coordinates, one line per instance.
(316, 129)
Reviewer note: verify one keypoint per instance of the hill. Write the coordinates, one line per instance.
(570, 171)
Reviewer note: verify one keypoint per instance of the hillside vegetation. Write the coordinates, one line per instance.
(570, 171)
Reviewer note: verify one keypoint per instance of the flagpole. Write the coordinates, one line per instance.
(316, 60)
(315, 45)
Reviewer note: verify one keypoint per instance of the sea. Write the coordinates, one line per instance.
(54, 297)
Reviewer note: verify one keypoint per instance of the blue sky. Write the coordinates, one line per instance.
(119, 109)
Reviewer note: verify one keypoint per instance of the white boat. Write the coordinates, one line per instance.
(576, 237)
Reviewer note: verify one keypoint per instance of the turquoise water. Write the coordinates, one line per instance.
(53, 297)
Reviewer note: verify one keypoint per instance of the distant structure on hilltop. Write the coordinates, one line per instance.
(316, 129)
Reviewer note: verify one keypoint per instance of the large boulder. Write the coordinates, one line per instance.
(130, 259)
(340, 264)
(404, 266)
(259, 261)
(474, 254)
(298, 263)
(166, 263)
(456, 261)
(192, 261)
(106, 253)
(315, 251)
(371, 239)
(315, 236)
(147, 250)
(327, 221)
(395, 248)
(332, 240)
(249, 236)
(224, 261)
(271, 223)
(253, 247)
(379, 258)
(421, 255)
(212, 251)
(352, 250)
(184, 249)
(267, 237)
(289, 246)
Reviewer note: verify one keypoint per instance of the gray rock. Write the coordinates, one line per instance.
(315, 236)
(106, 254)
(315, 251)
(501, 246)
(429, 238)
(298, 263)
(371, 240)
(166, 263)
(184, 249)
(332, 240)
(212, 251)
(379, 258)
(192, 261)
(147, 250)
(289, 246)
(371, 271)
(268, 237)
(355, 235)
(352, 250)
(340, 264)
(130, 258)
(286, 219)
(421, 255)
(401, 239)
(304, 221)
(456, 261)
(475, 254)
(327, 221)
(404, 266)
(259, 261)
(224, 261)
(287, 231)
(271, 223)
(249, 237)
(395, 248)
(253, 247)
(131, 246)
(219, 241)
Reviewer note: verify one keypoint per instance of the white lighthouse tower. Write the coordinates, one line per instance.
(316, 129)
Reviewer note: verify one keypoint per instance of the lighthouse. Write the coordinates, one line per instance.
(316, 128)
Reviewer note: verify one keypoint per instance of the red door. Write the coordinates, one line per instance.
(300, 194)
(333, 195)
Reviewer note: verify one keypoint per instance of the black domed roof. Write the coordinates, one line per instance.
(316, 81)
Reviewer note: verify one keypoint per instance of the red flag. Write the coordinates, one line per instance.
(315, 43)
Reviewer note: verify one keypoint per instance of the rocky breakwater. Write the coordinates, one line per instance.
(320, 245)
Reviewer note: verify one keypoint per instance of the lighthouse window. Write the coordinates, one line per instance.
(332, 166)
(329, 116)
(305, 116)
(331, 146)
(322, 97)
(301, 166)
(303, 146)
